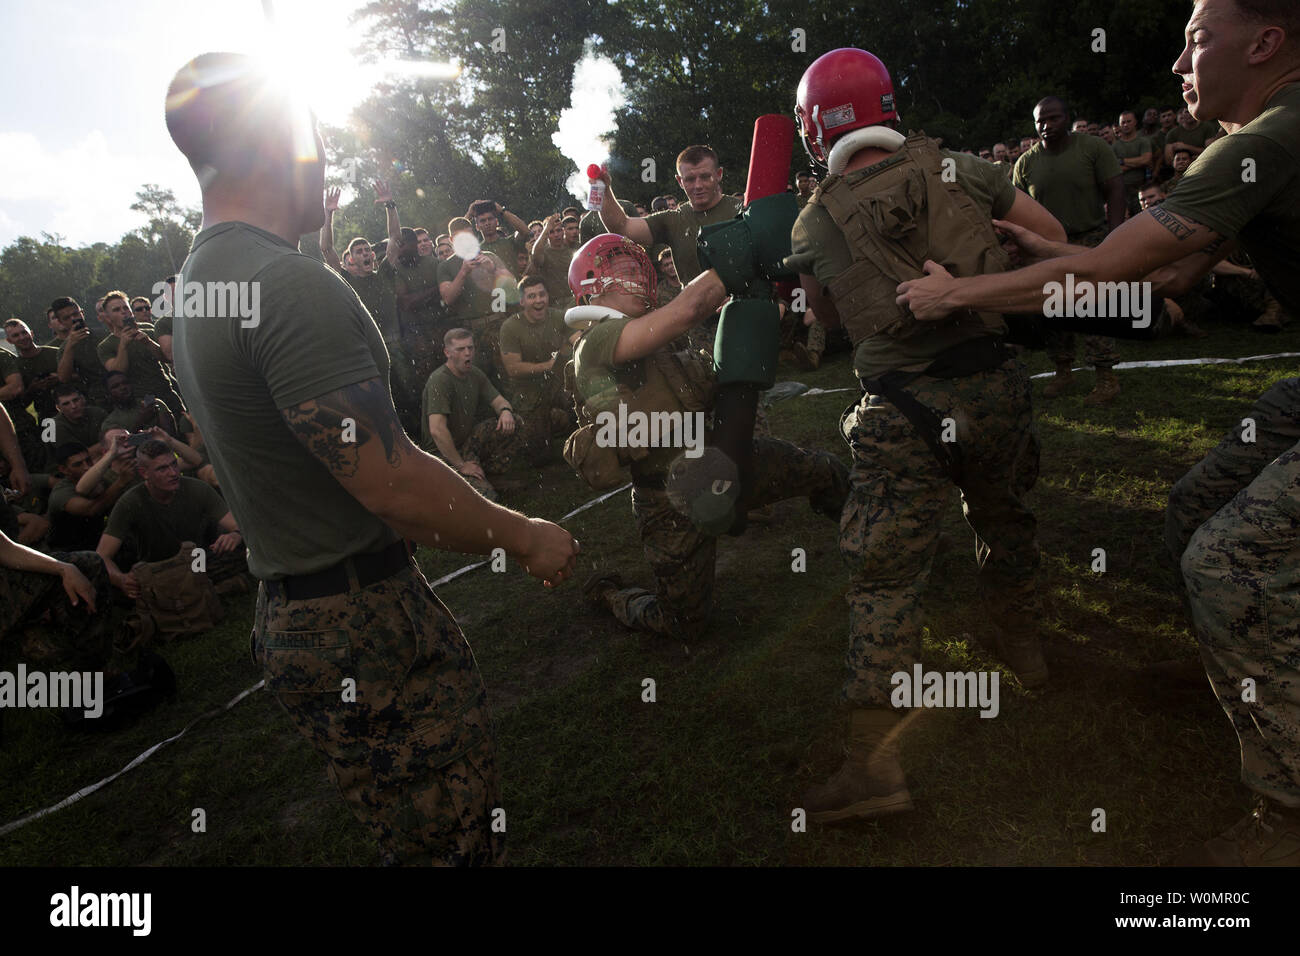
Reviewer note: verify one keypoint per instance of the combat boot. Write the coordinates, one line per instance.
(1270, 320)
(1268, 836)
(1062, 383)
(806, 358)
(1106, 389)
(600, 586)
(1011, 635)
(870, 783)
(830, 503)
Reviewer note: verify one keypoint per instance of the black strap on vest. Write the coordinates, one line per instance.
(965, 358)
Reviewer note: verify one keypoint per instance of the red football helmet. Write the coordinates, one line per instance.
(843, 90)
(611, 262)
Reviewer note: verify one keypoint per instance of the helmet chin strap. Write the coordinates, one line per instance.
(881, 137)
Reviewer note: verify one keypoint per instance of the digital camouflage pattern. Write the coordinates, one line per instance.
(494, 450)
(74, 638)
(414, 756)
(900, 492)
(1234, 520)
(682, 557)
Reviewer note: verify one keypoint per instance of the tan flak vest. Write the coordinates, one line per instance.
(895, 218)
(665, 381)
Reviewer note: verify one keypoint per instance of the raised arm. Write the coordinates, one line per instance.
(656, 329)
(327, 230)
(619, 222)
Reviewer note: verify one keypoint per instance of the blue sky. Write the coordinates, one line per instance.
(82, 128)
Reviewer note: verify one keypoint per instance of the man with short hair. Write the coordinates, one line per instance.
(36, 368)
(805, 182)
(131, 349)
(1134, 153)
(442, 248)
(572, 230)
(1079, 181)
(164, 511)
(535, 345)
(423, 241)
(700, 177)
(466, 420)
(487, 215)
(134, 414)
(1232, 520)
(76, 421)
(550, 260)
(77, 520)
(78, 359)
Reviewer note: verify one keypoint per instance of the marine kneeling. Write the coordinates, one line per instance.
(624, 370)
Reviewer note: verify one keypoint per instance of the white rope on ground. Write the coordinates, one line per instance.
(87, 791)
(1167, 363)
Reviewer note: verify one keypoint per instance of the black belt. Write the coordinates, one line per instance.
(368, 569)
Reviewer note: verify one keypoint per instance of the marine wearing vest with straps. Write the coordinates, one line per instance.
(665, 381)
(895, 215)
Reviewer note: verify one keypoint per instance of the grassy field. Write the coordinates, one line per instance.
(743, 721)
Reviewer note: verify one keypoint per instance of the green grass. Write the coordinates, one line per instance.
(743, 721)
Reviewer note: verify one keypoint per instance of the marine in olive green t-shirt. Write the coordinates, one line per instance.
(376, 292)
(1196, 136)
(1137, 146)
(819, 249)
(1070, 184)
(313, 338)
(1262, 214)
(472, 302)
(147, 373)
(423, 321)
(45, 361)
(506, 247)
(534, 343)
(86, 431)
(553, 266)
(159, 529)
(680, 229)
(463, 399)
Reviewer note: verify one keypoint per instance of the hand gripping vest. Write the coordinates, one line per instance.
(900, 214)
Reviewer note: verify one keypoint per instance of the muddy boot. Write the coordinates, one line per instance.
(1268, 836)
(598, 588)
(1270, 320)
(1011, 635)
(870, 783)
(1062, 383)
(1106, 389)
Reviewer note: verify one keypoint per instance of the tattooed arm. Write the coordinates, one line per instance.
(354, 432)
(1149, 241)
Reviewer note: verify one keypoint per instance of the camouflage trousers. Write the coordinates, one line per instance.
(1234, 520)
(77, 638)
(682, 557)
(412, 751)
(900, 492)
(546, 425)
(1099, 351)
(793, 330)
(494, 450)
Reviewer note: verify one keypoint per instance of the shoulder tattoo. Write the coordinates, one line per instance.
(333, 427)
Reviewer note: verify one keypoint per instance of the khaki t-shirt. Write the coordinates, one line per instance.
(534, 343)
(1070, 184)
(159, 529)
(1264, 213)
(820, 250)
(463, 400)
(314, 337)
(680, 228)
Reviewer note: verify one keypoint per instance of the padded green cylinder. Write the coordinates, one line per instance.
(748, 342)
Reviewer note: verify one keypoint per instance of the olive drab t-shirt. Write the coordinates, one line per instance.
(506, 247)
(553, 266)
(464, 400)
(1196, 136)
(86, 431)
(147, 374)
(820, 250)
(1136, 147)
(1070, 184)
(533, 344)
(313, 337)
(377, 294)
(680, 229)
(1261, 211)
(472, 302)
(420, 324)
(44, 362)
(159, 529)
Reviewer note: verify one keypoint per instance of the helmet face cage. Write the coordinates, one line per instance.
(612, 263)
(814, 146)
